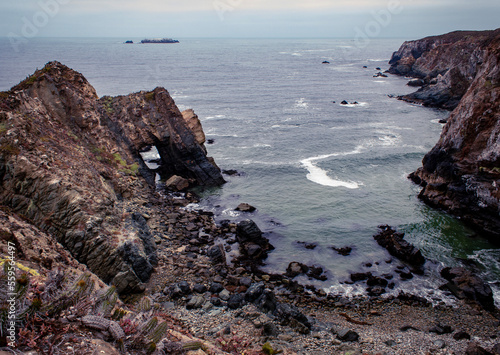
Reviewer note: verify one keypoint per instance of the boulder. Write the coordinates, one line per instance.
(416, 83)
(196, 302)
(398, 247)
(177, 183)
(245, 207)
(464, 284)
(295, 268)
(248, 231)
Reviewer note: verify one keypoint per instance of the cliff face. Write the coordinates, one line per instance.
(448, 65)
(70, 165)
(461, 173)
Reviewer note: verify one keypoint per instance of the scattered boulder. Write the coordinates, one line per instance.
(195, 302)
(295, 268)
(344, 102)
(326, 62)
(464, 284)
(380, 75)
(245, 207)
(346, 335)
(177, 183)
(441, 329)
(416, 83)
(398, 247)
(360, 276)
(345, 251)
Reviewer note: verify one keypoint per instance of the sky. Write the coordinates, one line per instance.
(410, 19)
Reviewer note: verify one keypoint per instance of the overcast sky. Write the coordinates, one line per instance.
(409, 19)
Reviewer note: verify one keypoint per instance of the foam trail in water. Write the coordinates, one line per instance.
(319, 176)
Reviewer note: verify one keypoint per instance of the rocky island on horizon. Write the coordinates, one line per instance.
(81, 215)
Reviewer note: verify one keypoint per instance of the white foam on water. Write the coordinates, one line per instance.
(359, 104)
(320, 176)
(301, 103)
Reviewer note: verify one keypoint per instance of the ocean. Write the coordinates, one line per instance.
(316, 170)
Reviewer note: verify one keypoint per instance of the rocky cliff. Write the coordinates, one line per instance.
(70, 166)
(461, 174)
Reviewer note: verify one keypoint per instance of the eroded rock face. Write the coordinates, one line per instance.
(461, 174)
(70, 165)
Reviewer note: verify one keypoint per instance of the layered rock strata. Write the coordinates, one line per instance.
(70, 165)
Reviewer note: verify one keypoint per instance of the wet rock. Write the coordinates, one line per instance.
(344, 102)
(295, 268)
(248, 231)
(380, 75)
(253, 250)
(195, 302)
(177, 183)
(325, 62)
(245, 207)
(316, 272)
(360, 276)
(376, 281)
(398, 247)
(307, 245)
(345, 251)
(463, 284)
(230, 172)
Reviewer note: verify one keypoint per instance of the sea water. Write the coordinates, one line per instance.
(317, 171)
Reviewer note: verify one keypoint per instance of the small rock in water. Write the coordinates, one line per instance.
(345, 251)
(245, 207)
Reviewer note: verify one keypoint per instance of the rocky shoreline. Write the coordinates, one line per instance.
(81, 208)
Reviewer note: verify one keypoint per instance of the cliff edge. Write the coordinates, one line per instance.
(70, 166)
(461, 174)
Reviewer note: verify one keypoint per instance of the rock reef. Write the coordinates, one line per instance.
(461, 174)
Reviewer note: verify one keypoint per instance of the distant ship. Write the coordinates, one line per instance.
(160, 40)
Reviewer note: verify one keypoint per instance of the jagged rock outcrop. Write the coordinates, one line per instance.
(448, 64)
(70, 165)
(461, 174)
